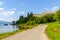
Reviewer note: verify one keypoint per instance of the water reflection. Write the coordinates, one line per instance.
(7, 28)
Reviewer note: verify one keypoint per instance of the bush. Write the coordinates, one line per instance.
(32, 20)
(48, 18)
(57, 16)
(53, 31)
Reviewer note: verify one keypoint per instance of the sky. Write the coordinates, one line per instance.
(10, 10)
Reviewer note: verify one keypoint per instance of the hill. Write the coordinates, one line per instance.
(4, 22)
(42, 14)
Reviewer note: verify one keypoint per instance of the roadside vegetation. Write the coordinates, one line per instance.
(31, 21)
(53, 29)
(4, 35)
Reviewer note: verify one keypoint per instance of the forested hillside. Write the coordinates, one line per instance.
(31, 20)
(53, 29)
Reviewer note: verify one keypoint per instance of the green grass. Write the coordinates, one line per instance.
(28, 25)
(53, 31)
(4, 35)
(23, 27)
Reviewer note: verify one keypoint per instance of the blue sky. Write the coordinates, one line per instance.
(11, 9)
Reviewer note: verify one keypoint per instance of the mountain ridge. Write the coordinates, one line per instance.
(42, 14)
(4, 22)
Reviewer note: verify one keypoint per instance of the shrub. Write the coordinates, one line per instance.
(57, 16)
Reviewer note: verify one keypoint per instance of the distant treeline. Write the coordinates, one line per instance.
(32, 20)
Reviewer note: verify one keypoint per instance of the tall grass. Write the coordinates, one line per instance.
(53, 31)
(4, 35)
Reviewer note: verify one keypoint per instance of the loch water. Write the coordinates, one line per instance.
(7, 28)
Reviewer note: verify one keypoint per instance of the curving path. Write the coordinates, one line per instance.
(37, 33)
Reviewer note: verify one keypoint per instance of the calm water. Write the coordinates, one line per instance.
(8, 28)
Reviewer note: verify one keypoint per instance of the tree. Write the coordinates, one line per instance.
(30, 16)
(45, 19)
(57, 16)
(13, 23)
(21, 20)
(21, 17)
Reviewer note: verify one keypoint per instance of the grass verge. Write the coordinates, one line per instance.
(23, 28)
(53, 31)
(4, 35)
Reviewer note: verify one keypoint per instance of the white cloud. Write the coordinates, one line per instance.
(54, 8)
(1, 9)
(21, 12)
(7, 19)
(1, 3)
(6, 16)
(7, 13)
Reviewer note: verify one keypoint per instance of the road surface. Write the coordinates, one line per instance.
(37, 33)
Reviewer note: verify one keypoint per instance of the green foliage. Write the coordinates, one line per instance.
(32, 20)
(28, 25)
(23, 19)
(57, 16)
(53, 31)
(26, 21)
(48, 18)
(3, 35)
(38, 20)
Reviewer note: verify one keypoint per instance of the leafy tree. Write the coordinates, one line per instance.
(57, 16)
(48, 18)
(21, 20)
(32, 20)
(45, 19)
(41, 20)
(30, 16)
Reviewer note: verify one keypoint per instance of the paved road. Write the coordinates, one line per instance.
(37, 33)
